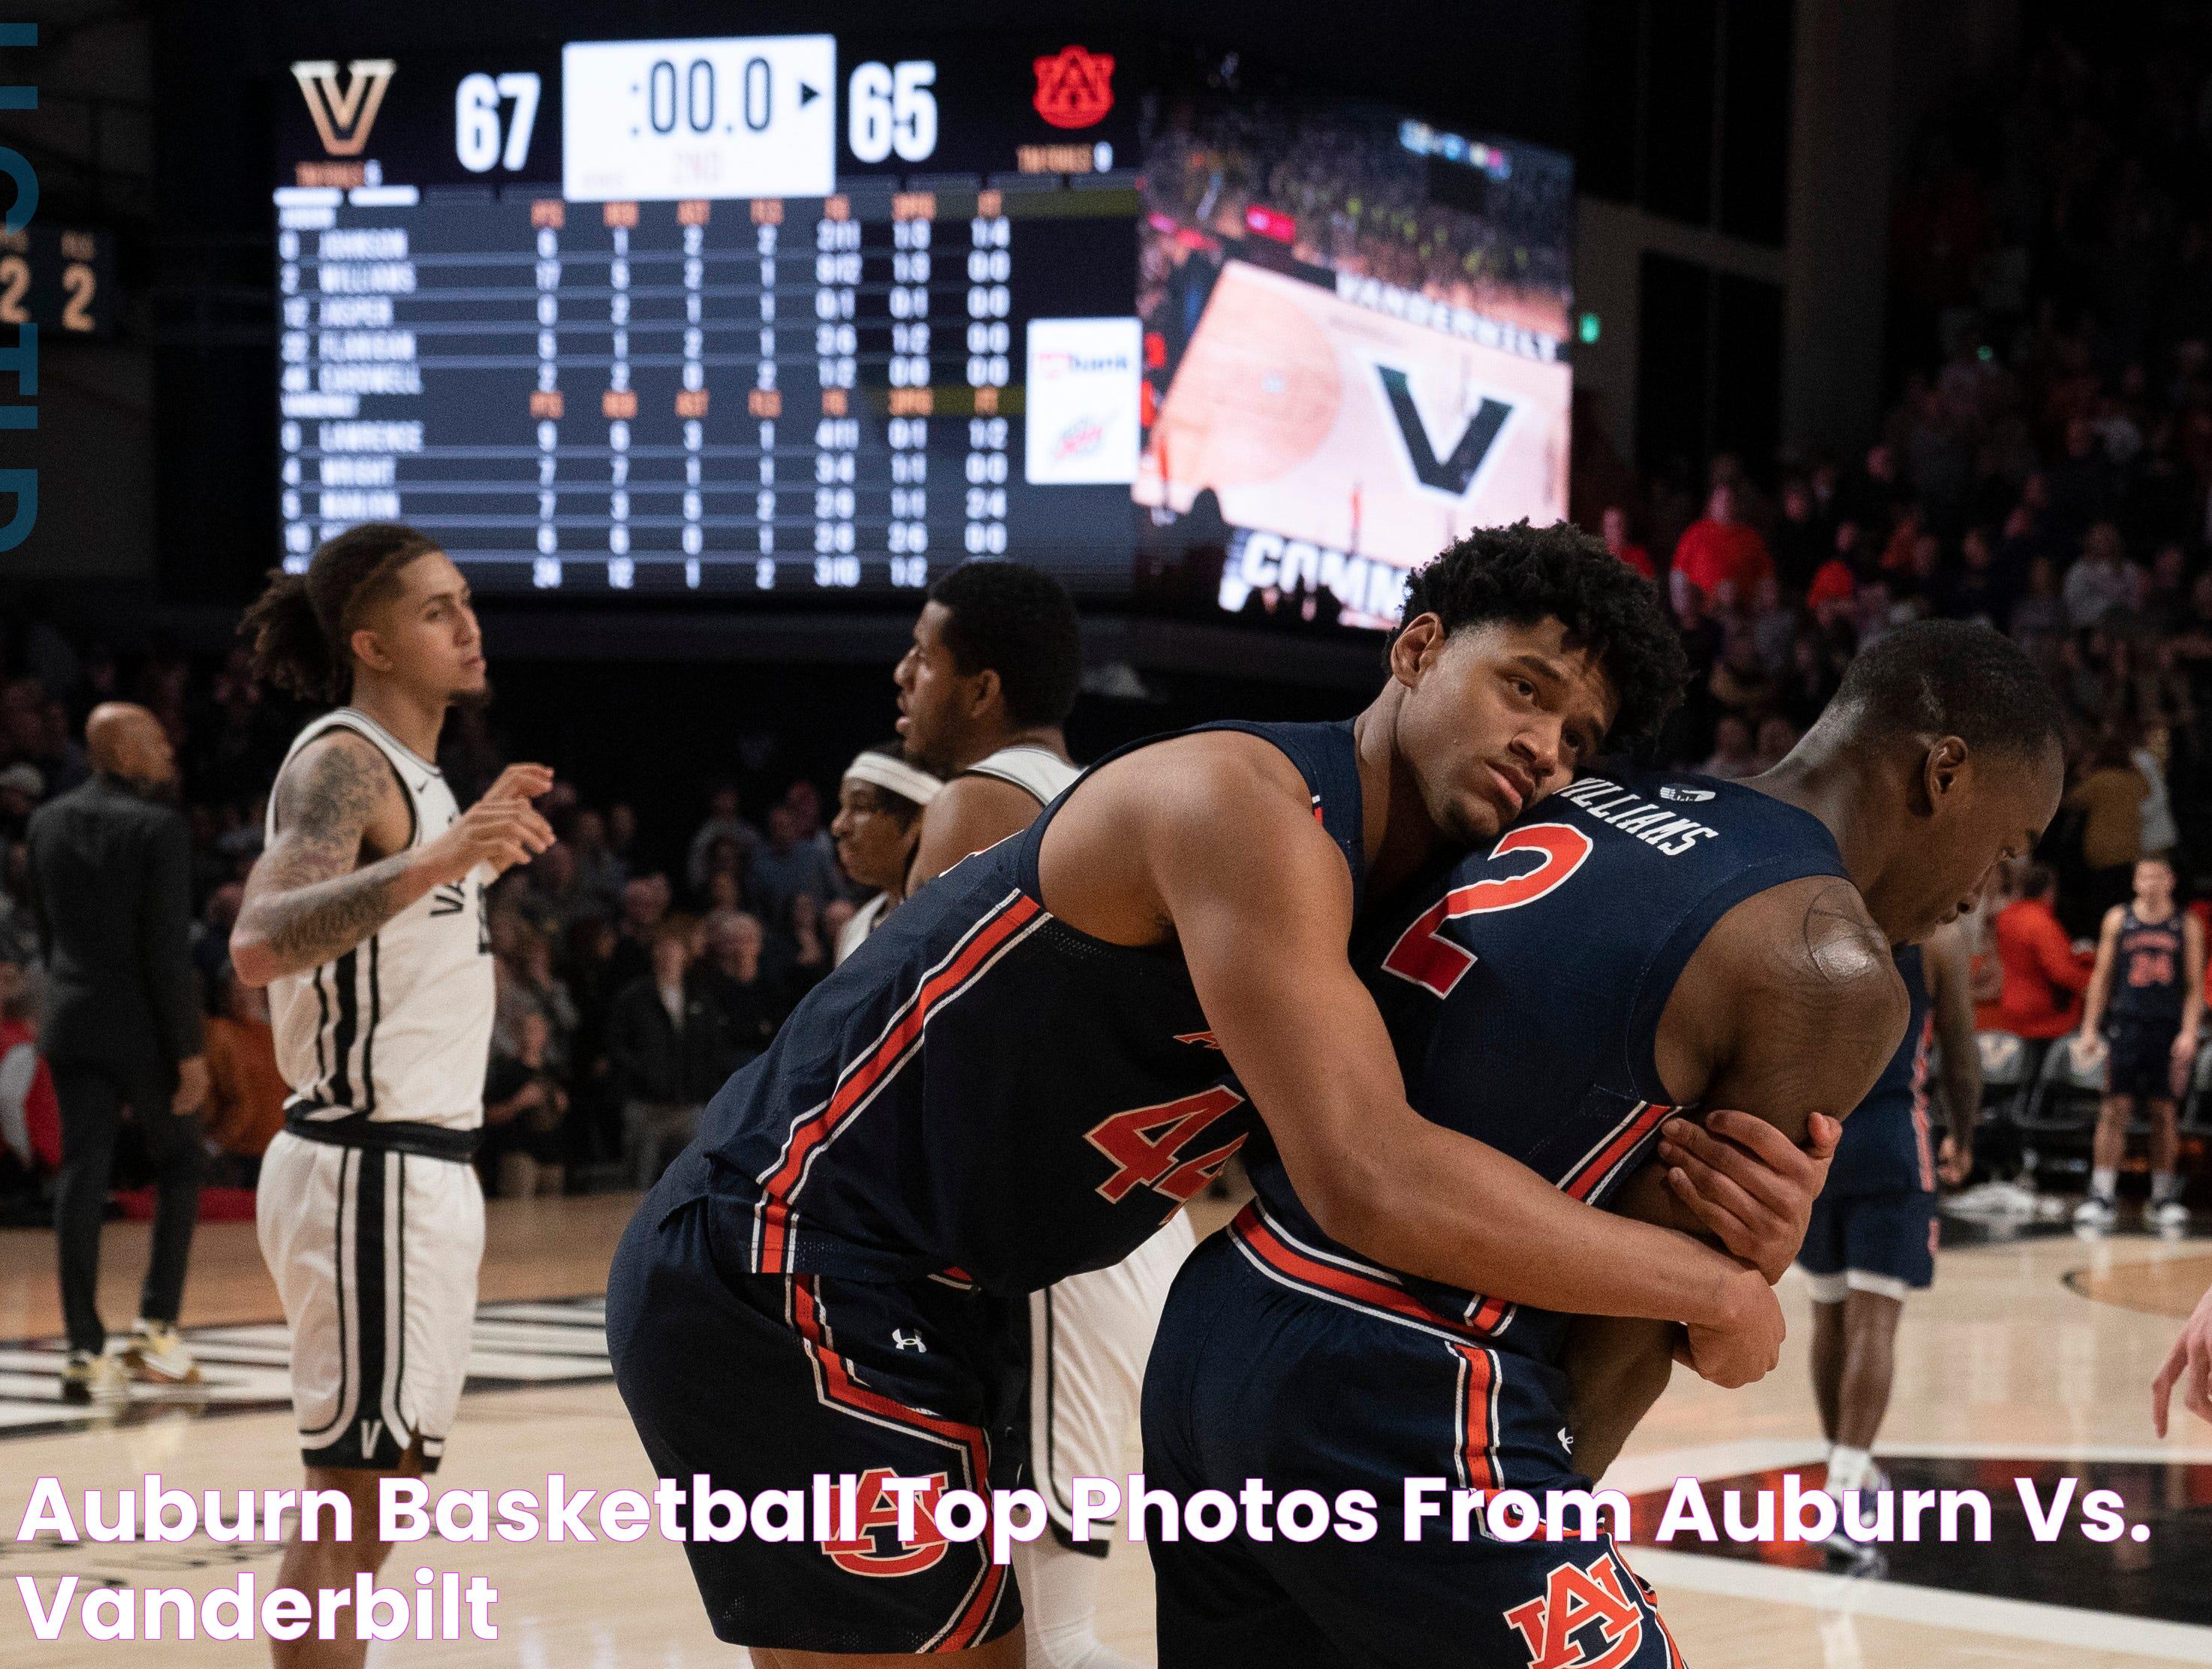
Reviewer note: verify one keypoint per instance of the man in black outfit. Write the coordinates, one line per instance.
(110, 886)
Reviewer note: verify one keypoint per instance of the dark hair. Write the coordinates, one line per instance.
(300, 624)
(1522, 575)
(1947, 678)
(1011, 619)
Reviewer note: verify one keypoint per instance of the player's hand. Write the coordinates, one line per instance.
(1748, 1183)
(2190, 1365)
(1954, 1161)
(191, 1092)
(2087, 1049)
(1742, 1344)
(521, 782)
(501, 832)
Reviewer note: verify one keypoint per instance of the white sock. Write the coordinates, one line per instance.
(2164, 1185)
(2105, 1182)
(1849, 1469)
(1060, 1606)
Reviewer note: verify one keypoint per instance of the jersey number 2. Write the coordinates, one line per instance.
(1423, 954)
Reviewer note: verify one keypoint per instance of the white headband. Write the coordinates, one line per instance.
(889, 772)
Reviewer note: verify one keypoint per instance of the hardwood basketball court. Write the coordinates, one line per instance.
(2030, 1357)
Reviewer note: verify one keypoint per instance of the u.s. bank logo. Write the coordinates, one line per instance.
(343, 116)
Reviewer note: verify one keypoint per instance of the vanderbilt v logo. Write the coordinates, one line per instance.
(342, 119)
(1454, 473)
(370, 1431)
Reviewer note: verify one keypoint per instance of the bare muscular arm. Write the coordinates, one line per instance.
(1792, 1005)
(1218, 848)
(970, 813)
(310, 897)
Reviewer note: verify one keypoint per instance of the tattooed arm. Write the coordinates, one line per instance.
(311, 897)
(1791, 1006)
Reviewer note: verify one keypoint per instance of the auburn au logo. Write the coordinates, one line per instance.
(1585, 1619)
(1075, 87)
(875, 1548)
(342, 117)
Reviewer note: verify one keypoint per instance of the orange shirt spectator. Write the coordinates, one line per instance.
(1718, 550)
(2043, 978)
(246, 1092)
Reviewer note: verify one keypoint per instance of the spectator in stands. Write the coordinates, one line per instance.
(599, 873)
(644, 907)
(1615, 524)
(21, 788)
(722, 885)
(2110, 798)
(1777, 736)
(553, 894)
(2043, 977)
(785, 866)
(1723, 557)
(723, 822)
(666, 1045)
(246, 1093)
(526, 1114)
(733, 978)
(1733, 755)
(879, 805)
(1802, 537)
(30, 1115)
(2103, 580)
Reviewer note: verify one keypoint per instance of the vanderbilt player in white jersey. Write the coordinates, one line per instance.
(364, 918)
(989, 679)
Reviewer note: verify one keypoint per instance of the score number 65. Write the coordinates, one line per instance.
(890, 107)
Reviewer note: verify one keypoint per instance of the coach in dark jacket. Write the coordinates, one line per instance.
(668, 1049)
(110, 889)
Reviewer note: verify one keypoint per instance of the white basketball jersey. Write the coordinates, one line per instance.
(399, 1027)
(1038, 771)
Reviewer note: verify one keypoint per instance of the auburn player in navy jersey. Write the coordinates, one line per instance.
(2146, 999)
(1872, 1239)
(1640, 943)
(1056, 1044)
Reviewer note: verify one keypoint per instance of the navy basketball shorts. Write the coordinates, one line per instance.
(2139, 1058)
(1882, 1243)
(1310, 1373)
(762, 1381)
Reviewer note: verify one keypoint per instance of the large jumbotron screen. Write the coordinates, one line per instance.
(759, 318)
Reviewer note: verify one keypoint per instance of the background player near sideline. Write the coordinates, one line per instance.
(1641, 941)
(1872, 1239)
(1043, 1054)
(2145, 1001)
(993, 671)
(365, 916)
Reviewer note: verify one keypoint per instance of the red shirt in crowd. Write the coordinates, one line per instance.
(1640, 559)
(1711, 553)
(2044, 979)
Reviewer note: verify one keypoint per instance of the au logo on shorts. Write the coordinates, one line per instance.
(1585, 1619)
(875, 1549)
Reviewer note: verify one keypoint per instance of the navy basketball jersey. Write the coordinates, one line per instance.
(981, 1093)
(1886, 1146)
(1523, 988)
(2147, 970)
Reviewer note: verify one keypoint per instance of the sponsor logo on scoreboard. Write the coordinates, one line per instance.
(1083, 397)
(343, 114)
(1075, 87)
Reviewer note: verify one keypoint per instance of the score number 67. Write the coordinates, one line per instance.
(890, 107)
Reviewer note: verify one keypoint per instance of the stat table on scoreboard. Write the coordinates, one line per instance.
(734, 390)
(673, 392)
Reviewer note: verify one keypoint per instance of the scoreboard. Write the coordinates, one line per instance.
(803, 315)
(740, 316)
